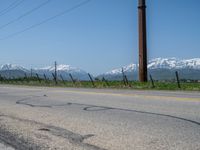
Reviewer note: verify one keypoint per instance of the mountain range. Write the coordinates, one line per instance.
(63, 71)
(159, 68)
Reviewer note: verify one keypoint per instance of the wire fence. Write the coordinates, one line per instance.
(70, 80)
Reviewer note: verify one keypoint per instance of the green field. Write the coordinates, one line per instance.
(103, 84)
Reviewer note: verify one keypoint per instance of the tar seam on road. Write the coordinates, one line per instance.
(88, 107)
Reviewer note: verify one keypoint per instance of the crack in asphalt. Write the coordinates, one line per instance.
(20, 144)
(88, 107)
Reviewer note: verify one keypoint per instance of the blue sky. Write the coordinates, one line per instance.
(99, 36)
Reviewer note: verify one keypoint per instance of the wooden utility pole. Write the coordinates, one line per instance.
(142, 41)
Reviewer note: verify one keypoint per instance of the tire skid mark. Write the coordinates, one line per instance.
(72, 137)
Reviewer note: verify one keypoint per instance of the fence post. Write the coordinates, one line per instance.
(5, 79)
(26, 78)
(91, 80)
(38, 77)
(178, 81)
(123, 75)
(1, 78)
(62, 79)
(72, 78)
(127, 82)
(54, 77)
(104, 80)
(25, 75)
(31, 72)
(13, 79)
(152, 81)
(45, 77)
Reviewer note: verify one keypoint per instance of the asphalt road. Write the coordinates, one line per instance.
(5, 147)
(98, 119)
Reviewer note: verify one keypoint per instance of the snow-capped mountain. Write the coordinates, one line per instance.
(160, 68)
(11, 70)
(173, 63)
(12, 67)
(129, 68)
(63, 70)
(162, 63)
(60, 68)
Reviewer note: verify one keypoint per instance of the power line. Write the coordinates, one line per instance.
(47, 20)
(25, 14)
(11, 7)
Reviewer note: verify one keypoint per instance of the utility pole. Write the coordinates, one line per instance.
(55, 72)
(142, 41)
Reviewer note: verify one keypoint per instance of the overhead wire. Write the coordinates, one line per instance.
(47, 20)
(11, 7)
(25, 14)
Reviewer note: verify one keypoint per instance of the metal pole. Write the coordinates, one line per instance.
(142, 41)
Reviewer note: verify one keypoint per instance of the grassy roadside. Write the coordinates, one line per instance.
(106, 84)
